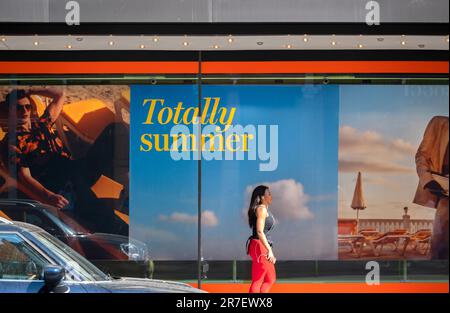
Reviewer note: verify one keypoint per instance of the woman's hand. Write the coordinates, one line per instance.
(271, 257)
(35, 190)
(57, 201)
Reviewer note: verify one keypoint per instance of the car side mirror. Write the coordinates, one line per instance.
(53, 275)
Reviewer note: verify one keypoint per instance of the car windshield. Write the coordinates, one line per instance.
(77, 267)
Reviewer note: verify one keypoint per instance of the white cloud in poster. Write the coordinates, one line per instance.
(368, 151)
(289, 200)
(209, 218)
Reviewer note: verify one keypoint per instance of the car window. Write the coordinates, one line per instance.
(18, 260)
(77, 267)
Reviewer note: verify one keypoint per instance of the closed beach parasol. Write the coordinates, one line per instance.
(358, 202)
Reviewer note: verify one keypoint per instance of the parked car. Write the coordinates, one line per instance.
(104, 250)
(33, 261)
(93, 246)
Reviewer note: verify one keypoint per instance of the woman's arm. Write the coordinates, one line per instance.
(29, 185)
(261, 214)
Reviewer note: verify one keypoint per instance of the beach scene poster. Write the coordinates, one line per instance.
(380, 132)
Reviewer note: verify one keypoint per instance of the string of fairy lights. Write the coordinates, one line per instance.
(156, 42)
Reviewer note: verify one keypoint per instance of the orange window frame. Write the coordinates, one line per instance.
(224, 67)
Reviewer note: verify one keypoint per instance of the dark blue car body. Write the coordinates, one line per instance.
(80, 276)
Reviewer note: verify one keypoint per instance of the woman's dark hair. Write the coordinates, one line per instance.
(256, 200)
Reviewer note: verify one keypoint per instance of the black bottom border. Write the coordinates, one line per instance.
(232, 302)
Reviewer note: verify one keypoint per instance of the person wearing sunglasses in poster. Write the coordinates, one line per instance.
(33, 154)
(259, 244)
(432, 163)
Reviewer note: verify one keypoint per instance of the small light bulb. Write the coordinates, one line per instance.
(216, 46)
(289, 46)
(155, 39)
(3, 39)
(111, 43)
(230, 40)
(333, 43)
(360, 46)
(142, 46)
(36, 43)
(185, 43)
(69, 46)
(403, 43)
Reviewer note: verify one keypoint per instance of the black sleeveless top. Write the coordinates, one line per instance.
(268, 227)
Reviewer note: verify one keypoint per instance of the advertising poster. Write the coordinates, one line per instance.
(393, 141)
(355, 171)
(67, 147)
(284, 137)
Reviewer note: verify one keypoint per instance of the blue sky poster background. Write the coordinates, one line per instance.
(159, 185)
(304, 186)
(381, 127)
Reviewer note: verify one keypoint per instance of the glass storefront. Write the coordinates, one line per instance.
(125, 157)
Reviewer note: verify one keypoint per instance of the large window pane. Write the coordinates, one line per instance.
(163, 189)
(295, 137)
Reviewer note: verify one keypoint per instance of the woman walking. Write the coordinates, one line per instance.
(259, 244)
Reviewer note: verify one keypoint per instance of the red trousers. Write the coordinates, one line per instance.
(263, 271)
